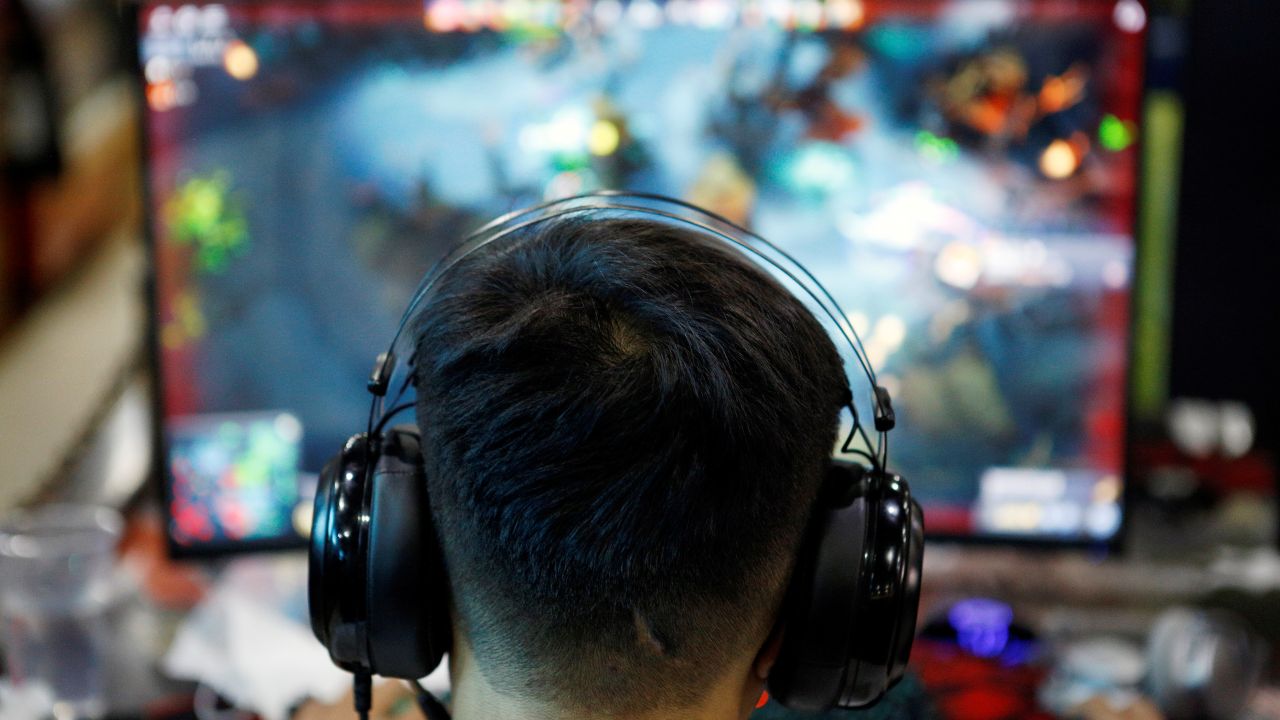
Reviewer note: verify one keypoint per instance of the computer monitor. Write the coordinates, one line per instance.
(961, 174)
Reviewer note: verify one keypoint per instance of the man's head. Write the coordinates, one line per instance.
(625, 426)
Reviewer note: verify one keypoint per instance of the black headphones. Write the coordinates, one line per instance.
(379, 594)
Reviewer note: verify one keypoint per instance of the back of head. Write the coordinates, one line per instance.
(624, 427)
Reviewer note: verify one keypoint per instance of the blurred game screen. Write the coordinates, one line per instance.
(960, 174)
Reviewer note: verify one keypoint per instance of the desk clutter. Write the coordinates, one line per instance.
(229, 640)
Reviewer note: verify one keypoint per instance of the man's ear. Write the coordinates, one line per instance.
(769, 652)
(753, 691)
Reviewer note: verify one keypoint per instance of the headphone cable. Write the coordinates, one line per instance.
(362, 691)
(430, 705)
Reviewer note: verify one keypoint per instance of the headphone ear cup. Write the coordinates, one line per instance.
(337, 559)
(851, 610)
(913, 553)
(408, 599)
(889, 594)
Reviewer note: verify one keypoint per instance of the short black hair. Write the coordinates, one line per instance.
(625, 425)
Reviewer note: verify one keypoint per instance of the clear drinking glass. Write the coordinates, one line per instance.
(56, 566)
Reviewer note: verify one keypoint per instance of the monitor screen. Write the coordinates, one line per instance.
(960, 174)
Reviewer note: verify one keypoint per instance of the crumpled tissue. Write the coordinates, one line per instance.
(246, 641)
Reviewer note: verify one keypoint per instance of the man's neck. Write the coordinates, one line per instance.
(470, 706)
(473, 698)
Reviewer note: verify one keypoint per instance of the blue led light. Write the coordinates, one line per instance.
(982, 625)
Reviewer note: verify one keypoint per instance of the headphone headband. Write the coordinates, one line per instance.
(662, 209)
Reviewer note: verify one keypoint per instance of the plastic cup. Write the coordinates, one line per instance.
(56, 565)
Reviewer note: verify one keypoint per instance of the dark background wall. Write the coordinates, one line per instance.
(1226, 310)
